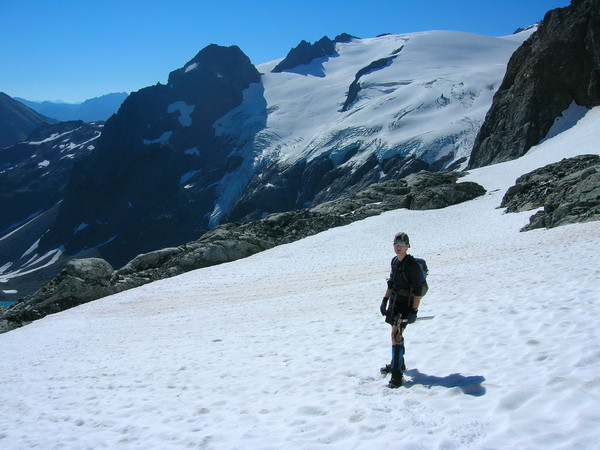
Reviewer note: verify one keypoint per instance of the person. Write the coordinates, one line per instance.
(404, 292)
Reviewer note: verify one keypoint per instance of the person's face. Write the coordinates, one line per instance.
(401, 248)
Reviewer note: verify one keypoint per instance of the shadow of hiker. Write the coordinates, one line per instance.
(469, 385)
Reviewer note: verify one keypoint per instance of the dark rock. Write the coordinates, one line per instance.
(354, 88)
(304, 53)
(568, 190)
(438, 190)
(39, 169)
(85, 280)
(148, 260)
(344, 38)
(559, 64)
(399, 166)
(279, 187)
(32, 187)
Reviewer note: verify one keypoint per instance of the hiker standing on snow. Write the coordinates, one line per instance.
(404, 292)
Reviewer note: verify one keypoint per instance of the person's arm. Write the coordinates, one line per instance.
(416, 301)
(386, 297)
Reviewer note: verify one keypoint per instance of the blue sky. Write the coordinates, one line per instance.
(72, 50)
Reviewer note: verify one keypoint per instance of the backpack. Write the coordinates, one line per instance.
(424, 271)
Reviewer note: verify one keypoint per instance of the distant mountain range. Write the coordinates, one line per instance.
(92, 110)
(17, 121)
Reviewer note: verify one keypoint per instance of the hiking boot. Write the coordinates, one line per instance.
(396, 380)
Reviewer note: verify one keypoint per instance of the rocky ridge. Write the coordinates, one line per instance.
(305, 52)
(97, 109)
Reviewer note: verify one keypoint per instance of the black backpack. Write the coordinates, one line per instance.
(424, 271)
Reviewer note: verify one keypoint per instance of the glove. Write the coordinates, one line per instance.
(412, 315)
(383, 307)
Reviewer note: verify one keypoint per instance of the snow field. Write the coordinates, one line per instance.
(283, 349)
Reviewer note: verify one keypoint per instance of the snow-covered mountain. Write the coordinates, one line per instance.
(283, 349)
(221, 142)
(360, 116)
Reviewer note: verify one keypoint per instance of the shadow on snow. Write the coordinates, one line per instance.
(469, 385)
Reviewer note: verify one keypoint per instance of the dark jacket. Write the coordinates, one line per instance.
(406, 278)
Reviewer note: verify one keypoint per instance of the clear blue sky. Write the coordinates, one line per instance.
(72, 50)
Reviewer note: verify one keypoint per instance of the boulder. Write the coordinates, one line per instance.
(79, 282)
(89, 269)
(438, 190)
(568, 191)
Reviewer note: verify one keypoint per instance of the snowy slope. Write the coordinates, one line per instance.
(304, 105)
(282, 349)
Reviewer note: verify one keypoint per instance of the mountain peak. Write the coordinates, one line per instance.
(213, 61)
(304, 53)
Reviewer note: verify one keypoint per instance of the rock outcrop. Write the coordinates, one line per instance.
(305, 52)
(559, 64)
(568, 191)
(85, 280)
(81, 281)
(354, 88)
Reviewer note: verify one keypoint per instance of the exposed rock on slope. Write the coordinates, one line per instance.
(34, 174)
(568, 190)
(85, 280)
(305, 53)
(557, 65)
(355, 85)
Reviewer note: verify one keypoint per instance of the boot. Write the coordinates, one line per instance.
(396, 380)
(396, 366)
